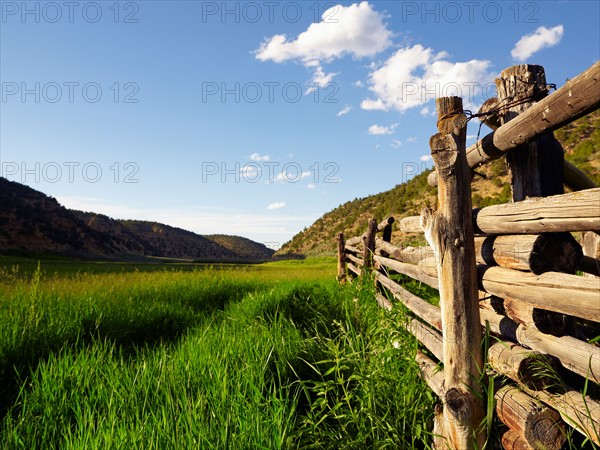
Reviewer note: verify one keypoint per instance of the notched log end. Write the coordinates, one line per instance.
(444, 152)
(493, 119)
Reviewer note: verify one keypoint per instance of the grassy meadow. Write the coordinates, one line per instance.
(197, 356)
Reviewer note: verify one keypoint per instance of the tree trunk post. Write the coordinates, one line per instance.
(450, 234)
(341, 246)
(369, 243)
(536, 168)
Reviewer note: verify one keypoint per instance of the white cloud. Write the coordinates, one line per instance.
(249, 172)
(425, 111)
(356, 30)
(320, 78)
(291, 176)
(311, 186)
(276, 205)
(413, 76)
(257, 157)
(396, 143)
(345, 110)
(532, 43)
(359, 84)
(471, 136)
(382, 130)
(425, 158)
(411, 139)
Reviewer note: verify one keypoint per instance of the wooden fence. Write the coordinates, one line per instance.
(506, 270)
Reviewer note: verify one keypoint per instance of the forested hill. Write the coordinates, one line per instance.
(32, 223)
(581, 141)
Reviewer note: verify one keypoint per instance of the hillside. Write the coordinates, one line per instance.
(31, 222)
(34, 223)
(242, 247)
(581, 141)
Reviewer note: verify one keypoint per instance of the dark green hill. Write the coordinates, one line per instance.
(243, 248)
(32, 223)
(581, 141)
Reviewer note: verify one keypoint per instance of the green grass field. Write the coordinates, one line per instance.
(106, 355)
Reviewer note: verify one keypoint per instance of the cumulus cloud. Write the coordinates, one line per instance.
(345, 110)
(249, 172)
(396, 143)
(321, 78)
(276, 205)
(380, 130)
(412, 139)
(532, 43)
(291, 176)
(425, 158)
(257, 157)
(413, 76)
(357, 30)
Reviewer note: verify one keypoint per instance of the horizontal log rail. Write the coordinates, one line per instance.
(354, 269)
(411, 224)
(537, 253)
(357, 261)
(575, 211)
(582, 413)
(384, 302)
(410, 270)
(351, 248)
(578, 97)
(576, 179)
(547, 322)
(521, 365)
(575, 355)
(430, 338)
(430, 373)
(354, 241)
(411, 255)
(540, 426)
(554, 291)
(426, 311)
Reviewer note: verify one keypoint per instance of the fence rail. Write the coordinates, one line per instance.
(510, 270)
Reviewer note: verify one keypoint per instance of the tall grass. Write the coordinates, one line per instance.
(274, 356)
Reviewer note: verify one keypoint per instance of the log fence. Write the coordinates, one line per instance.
(512, 270)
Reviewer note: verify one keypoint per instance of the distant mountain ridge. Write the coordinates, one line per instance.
(580, 140)
(34, 223)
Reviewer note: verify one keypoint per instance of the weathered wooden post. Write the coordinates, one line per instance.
(341, 246)
(536, 168)
(450, 234)
(385, 226)
(369, 243)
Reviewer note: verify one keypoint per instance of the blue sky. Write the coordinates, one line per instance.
(253, 118)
